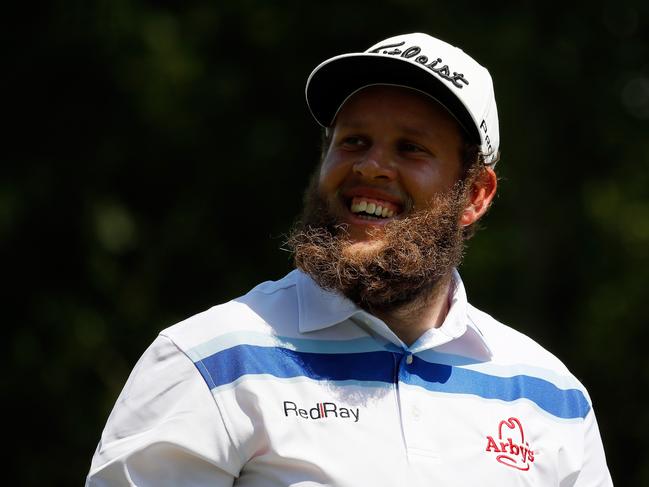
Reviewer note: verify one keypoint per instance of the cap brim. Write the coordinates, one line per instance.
(331, 83)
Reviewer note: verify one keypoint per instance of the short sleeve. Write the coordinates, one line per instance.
(594, 471)
(165, 428)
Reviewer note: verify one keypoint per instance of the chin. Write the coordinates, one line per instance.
(367, 247)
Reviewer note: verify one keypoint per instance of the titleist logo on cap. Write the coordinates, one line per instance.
(443, 71)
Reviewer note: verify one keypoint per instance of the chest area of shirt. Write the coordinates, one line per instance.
(422, 419)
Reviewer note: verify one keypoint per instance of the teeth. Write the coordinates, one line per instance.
(371, 209)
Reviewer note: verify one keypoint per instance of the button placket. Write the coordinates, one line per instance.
(416, 422)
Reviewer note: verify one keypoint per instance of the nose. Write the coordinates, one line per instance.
(375, 164)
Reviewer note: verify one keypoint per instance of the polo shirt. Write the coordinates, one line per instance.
(292, 385)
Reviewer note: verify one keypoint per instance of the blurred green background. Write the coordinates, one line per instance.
(156, 153)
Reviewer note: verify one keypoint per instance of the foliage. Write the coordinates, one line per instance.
(157, 154)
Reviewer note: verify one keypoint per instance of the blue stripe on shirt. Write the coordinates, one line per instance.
(229, 365)
(562, 403)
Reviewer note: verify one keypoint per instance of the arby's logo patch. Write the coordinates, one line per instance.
(510, 446)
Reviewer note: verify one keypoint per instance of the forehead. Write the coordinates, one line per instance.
(405, 108)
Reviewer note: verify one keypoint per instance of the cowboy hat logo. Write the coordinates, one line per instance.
(510, 445)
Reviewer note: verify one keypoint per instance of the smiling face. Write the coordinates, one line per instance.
(385, 214)
(392, 151)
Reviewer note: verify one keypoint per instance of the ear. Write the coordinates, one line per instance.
(482, 192)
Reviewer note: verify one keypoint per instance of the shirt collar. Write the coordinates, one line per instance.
(319, 309)
(457, 324)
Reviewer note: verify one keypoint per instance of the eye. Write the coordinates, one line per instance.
(411, 147)
(353, 142)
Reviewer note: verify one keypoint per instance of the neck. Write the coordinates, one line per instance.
(413, 319)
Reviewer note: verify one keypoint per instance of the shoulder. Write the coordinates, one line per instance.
(268, 308)
(517, 354)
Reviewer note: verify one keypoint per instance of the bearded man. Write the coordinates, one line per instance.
(366, 365)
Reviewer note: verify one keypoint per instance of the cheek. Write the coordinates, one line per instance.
(419, 182)
(424, 183)
(332, 173)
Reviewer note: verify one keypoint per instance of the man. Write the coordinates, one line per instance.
(366, 366)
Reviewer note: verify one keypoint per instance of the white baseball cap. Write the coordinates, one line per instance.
(416, 61)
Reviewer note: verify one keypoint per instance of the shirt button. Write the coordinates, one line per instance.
(416, 413)
(409, 359)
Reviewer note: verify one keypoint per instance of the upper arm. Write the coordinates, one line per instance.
(165, 428)
(594, 471)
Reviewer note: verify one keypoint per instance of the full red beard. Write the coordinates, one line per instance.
(415, 255)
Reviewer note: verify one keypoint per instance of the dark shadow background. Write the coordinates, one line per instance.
(156, 152)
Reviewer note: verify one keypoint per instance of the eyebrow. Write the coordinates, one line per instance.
(415, 131)
(408, 130)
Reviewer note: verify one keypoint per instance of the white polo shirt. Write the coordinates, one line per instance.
(291, 385)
